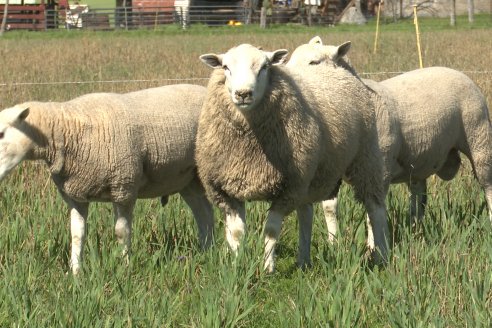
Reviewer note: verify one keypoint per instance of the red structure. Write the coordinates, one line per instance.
(31, 16)
(152, 12)
(151, 5)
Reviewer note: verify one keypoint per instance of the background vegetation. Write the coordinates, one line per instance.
(440, 271)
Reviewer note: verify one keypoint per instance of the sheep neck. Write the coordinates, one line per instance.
(47, 136)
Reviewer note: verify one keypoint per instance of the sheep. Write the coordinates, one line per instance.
(112, 148)
(436, 114)
(252, 144)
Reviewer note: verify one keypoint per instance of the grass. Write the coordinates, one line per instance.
(439, 274)
(104, 4)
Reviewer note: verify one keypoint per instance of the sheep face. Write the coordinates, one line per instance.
(315, 53)
(246, 69)
(14, 144)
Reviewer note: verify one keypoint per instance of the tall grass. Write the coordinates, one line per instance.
(439, 274)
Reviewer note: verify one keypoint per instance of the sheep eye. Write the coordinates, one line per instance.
(225, 68)
(314, 62)
(2, 134)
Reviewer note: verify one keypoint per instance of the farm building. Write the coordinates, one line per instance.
(50, 14)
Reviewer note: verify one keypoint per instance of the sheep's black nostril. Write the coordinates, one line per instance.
(244, 94)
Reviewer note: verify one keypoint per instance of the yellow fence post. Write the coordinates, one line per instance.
(377, 28)
(416, 22)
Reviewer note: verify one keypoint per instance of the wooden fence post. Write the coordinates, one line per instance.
(4, 19)
(263, 17)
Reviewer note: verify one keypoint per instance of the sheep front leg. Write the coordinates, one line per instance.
(272, 231)
(78, 217)
(235, 226)
(305, 217)
(123, 215)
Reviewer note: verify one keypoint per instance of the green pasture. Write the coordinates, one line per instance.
(94, 4)
(440, 273)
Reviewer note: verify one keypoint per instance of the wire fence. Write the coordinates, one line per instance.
(40, 17)
(178, 80)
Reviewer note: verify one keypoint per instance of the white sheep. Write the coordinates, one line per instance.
(270, 133)
(112, 148)
(426, 118)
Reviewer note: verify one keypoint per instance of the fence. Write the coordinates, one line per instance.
(39, 17)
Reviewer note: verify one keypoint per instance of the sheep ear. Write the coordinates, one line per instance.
(15, 114)
(23, 114)
(278, 56)
(343, 49)
(316, 40)
(212, 60)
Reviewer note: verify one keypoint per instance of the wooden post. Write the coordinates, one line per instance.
(4, 19)
(377, 28)
(471, 11)
(263, 17)
(452, 13)
(248, 8)
(416, 22)
(309, 16)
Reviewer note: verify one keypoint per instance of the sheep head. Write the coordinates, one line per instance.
(315, 53)
(246, 69)
(14, 144)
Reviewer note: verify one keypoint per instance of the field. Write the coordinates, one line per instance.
(440, 273)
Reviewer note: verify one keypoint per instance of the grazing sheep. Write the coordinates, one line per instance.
(439, 113)
(112, 148)
(286, 136)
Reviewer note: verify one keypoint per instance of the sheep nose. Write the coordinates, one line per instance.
(243, 94)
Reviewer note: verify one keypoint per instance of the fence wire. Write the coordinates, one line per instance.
(15, 83)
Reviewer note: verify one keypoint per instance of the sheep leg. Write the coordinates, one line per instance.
(305, 217)
(235, 226)
(370, 234)
(380, 232)
(78, 217)
(482, 167)
(272, 231)
(203, 214)
(418, 199)
(123, 215)
(330, 211)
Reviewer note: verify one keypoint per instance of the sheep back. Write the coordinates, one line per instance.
(116, 147)
(434, 127)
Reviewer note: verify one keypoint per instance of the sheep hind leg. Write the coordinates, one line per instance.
(305, 218)
(235, 226)
(78, 219)
(418, 200)
(482, 167)
(123, 216)
(378, 229)
(203, 214)
(330, 212)
(330, 207)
